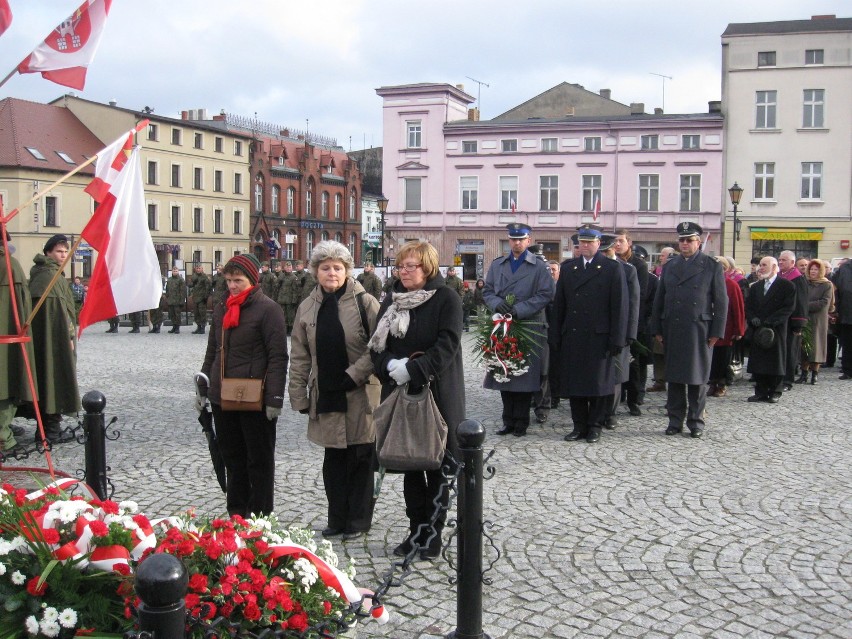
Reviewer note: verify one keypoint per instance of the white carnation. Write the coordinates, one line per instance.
(32, 625)
(50, 614)
(68, 618)
(18, 578)
(2, 569)
(128, 506)
(49, 628)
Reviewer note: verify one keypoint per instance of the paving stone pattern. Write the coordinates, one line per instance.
(744, 533)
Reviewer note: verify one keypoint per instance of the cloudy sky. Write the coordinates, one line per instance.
(292, 61)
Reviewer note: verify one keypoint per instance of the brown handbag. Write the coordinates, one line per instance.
(240, 393)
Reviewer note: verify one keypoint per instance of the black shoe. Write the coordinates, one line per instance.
(198, 331)
(757, 398)
(774, 398)
(135, 329)
(353, 534)
(787, 386)
(674, 430)
(634, 410)
(404, 548)
(611, 423)
(332, 532)
(697, 433)
(574, 435)
(432, 550)
(541, 416)
(172, 330)
(593, 436)
(16, 451)
(520, 432)
(177, 330)
(506, 430)
(845, 376)
(814, 377)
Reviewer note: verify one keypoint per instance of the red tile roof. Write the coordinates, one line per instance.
(50, 129)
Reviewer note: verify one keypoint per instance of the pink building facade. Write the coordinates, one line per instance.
(457, 182)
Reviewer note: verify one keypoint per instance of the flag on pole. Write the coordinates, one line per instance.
(596, 209)
(68, 50)
(127, 275)
(512, 205)
(705, 244)
(5, 15)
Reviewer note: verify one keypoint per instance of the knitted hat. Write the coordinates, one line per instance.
(53, 241)
(248, 264)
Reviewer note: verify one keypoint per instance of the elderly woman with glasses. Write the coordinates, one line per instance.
(417, 341)
(331, 381)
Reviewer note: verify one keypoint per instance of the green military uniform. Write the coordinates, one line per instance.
(288, 296)
(135, 321)
(156, 316)
(175, 298)
(307, 284)
(269, 284)
(371, 283)
(220, 288)
(455, 283)
(200, 289)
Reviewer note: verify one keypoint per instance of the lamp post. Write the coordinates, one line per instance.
(736, 192)
(382, 203)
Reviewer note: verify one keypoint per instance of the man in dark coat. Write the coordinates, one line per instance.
(843, 302)
(799, 318)
(690, 311)
(520, 285)
(200, 290)
(370, 281)
(175, 298)
(591, 311)
(770, 303)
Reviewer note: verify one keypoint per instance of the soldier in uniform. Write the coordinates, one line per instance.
(454, 281)
(113, 324)
(289, 291)
(306, 281)
(135, 321)
(268, 281)
(220, 287)
(200, 289)
(370, 281)
(690, 311)
(156, 317)
(387, 289)
(175, 298)
(520, 285)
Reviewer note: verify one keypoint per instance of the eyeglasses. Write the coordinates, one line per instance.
(409, 268)
(688, 239)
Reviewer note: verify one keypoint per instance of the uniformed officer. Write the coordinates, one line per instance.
(175, 298)
(289, 293)
(454, 281)
(267, 281)
(200, 289)
(220, 286)
(135, 321)
(370, 281)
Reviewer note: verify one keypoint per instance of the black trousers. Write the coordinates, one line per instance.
(516, 409)
(347, 474)
(247, 442)
(686, 402)
(589, 413)
(720, 365)
(424, 492)
(767, 385)
(794, 355)
(844, 336)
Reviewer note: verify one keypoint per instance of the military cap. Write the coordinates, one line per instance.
(640, 251)
(688, 229)
(607, 241)
(589, 232)
(537, 249)
(518, 231)
(264, 263)
(575, 240)
(53, 241)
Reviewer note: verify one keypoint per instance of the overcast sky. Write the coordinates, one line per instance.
(292, 61)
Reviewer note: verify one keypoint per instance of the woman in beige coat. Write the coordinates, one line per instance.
(331, 382)
(820, 304)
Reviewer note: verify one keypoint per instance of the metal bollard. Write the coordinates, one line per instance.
(471, 435)
(94, 403)
(161, 582)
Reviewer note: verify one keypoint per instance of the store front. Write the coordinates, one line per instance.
(771, 241)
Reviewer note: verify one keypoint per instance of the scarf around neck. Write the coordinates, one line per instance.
(233, 304)
(396, 319)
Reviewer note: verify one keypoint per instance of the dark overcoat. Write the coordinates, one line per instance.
(773, 309)
(14, 383)
(691, 306)
(532, 285)
(634, 306)
(591, 311)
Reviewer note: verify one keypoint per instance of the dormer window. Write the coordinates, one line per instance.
(35, 153)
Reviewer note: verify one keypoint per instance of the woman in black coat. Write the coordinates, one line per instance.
(423, 316)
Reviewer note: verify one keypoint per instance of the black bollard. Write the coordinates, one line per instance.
(161, 582)
(471, 434)
(94, 403)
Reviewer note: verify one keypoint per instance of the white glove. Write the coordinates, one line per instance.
(400, 375)
(396, 363)
(199, 403)
(272, 413)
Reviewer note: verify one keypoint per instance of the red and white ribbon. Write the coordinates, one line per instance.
(504, 322)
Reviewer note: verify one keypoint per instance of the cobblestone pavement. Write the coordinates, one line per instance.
(744, 533)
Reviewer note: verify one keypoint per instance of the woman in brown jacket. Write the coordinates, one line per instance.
(820, 304)
(330, 381)
(254, 332)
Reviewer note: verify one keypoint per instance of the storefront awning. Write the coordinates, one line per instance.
(758, 233)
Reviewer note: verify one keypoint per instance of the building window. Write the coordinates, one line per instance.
(238, 148)
(152, 217)
(176, 136)
(153, 132)
(691, 141)
(238, 183)
(309, 242)
(765, 114)
(197, 175)
(309, 199)
(217, 257)
(591, 191)
(592, 144)
(276, 196)
(238, 222)
(764, 180)
(814, 56)
(412, 194)
(176, 175)
(198, 142)
(814, 108)
(469, 146)
(51, 214)
(258, 196)
(218, 144)
(175, 218)
(287, 247)
(690, 192)
(649, 192)
(548, 144)
(197, 220)
(414, 134)
(548, 193)
(508, 146)
(338, 237)
(324, 236)
(196, 257)
(469, 186)
(338, 202)
(324, 204)
(291, 201)
(508, 192)
(650, 142)
(217, 181)
(353, 241)
(766, 59)
(152, 172)
(353, 206)
(217, 221)
(811, 180)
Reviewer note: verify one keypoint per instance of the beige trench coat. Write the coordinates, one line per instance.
(336, 430)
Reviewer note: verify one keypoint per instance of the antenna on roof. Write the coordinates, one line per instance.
(479, 92)
(664, 78)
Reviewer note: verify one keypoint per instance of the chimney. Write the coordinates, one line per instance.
(473, 115)
(113, 102)
(658, 111)
(285, 133)
(606, 93)
(637, 108)
(184, 115)
(714, 106)
(827, 16)
(460, 87)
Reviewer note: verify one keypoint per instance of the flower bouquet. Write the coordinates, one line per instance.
(504, 346)
(67, 567)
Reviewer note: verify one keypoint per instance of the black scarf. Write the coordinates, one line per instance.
(332, 360)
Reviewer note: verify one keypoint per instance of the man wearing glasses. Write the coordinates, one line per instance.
(690, 310)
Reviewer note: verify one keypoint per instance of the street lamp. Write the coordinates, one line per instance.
(382, 203)
(736, 192)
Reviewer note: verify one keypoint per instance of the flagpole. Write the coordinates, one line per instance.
(9, 77)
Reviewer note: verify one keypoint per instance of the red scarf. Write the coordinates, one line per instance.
(233, 303)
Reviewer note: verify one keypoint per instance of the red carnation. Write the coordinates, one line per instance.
(326, 605)
(246, 554)
(191, 600)
(34, 589)
(98, 528)
(109, 507)
(226, 610)
(51, 535)
(198, 582)
(121, 569)
(298, 622)
(251, 612)
(185, 548)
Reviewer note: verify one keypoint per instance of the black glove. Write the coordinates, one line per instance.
(304, 411)
(755, 321)
(504, 308)
(615, 351)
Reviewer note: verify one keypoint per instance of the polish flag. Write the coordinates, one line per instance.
(512, 205)
(127, 276)
(68, 50)
(705, 244)
(5, 15)
(596, 209)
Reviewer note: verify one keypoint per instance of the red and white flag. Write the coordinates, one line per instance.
(127, 275)
(5, 15)
(596, 209)
(513, 205)
(67, 51)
